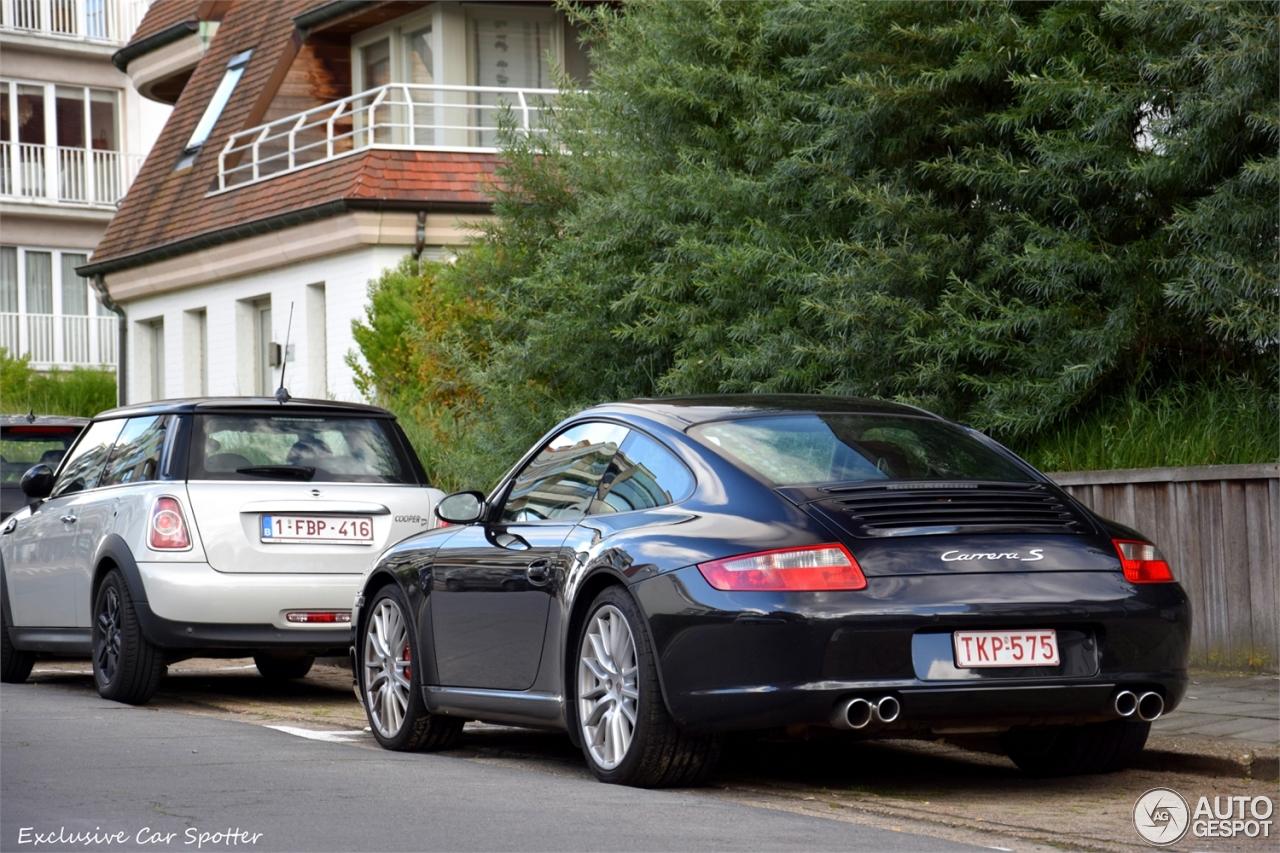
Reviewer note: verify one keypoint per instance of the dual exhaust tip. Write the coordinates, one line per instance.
(1148, 707)
(858, 713)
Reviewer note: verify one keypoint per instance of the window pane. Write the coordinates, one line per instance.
(376, 61)
(31, 114)
(84, 467)
(562, 480)
(136, 457)
(791, 450)
(18, 452)
(235, 69)
(70, 117)
(75, 290)
(4, 112)
(103, 120)
(339, 450)
(8, 278)
(513, 53)
(643, 475)
(419, 56)
(39, 282)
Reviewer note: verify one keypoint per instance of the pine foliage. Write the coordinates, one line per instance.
(1014, 214)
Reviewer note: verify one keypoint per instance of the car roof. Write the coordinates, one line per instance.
(687, 411)
(242, 404)
(29, 420)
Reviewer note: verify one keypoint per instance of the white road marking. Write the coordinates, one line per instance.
(341, 736)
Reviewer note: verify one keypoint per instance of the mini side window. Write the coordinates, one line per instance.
(136, 457)
(82, 469)
(642, 475)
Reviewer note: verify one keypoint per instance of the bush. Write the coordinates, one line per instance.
(80, 392)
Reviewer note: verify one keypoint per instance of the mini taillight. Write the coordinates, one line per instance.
(168, 528)
(1142, 562)
(810, 568)
(318, 616)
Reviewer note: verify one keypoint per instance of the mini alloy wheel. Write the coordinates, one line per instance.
(107, 653)
(126, 668)
(608, 687)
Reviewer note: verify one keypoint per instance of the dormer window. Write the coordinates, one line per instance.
(212, 112)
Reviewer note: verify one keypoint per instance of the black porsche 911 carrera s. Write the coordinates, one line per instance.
(657, 572)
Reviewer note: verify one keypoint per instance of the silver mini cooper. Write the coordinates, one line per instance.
(205, 528)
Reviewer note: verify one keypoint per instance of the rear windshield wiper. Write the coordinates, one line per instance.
(280, 472)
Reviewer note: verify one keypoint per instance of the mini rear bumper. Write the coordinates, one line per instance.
(738, 660)
(191, 606)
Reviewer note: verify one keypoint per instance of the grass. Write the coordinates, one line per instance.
(80, 392)
(1187, 424)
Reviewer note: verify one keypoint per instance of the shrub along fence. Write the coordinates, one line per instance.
(1218, 526)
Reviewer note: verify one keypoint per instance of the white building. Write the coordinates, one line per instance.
(73, 132)
(314, 144)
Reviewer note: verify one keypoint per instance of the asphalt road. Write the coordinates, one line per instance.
(72, 764)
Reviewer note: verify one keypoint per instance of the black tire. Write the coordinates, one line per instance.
(126, 668)
(660, 753)
(415, 728)
(15, 665)
(1076, 750)
(283, 668)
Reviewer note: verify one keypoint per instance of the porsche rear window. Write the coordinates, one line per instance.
(297, 447)
(793, 450)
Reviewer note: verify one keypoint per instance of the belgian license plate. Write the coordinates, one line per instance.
(1006, 648)
(354, 529)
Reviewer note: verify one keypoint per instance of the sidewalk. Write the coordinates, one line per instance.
(1228, 724)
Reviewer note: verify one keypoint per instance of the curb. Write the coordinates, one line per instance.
(1246, 765)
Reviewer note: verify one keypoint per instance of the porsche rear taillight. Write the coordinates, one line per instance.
(1142, 562)
(811, 568)
(168, 527)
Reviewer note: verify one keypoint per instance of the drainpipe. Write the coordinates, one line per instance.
(421, 238)
(122, 336)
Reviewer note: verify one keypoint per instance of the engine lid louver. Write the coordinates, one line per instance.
(918, 509)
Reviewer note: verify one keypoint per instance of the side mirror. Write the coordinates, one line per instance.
(461, 508)
(38, 481)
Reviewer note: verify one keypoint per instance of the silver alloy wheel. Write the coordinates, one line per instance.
(608, 687)
(108, 651)
(387, 673)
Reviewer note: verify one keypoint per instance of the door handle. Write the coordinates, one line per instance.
(68, 519)
(539, 571)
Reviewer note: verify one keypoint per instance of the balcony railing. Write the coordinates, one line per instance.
(50, 340)
(71, 176)
(396, 116)
(109, 21)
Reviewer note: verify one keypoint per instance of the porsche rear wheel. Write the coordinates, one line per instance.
(1076, 750)
(391, 685)
(627, 735)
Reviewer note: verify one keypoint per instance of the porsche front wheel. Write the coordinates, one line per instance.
(392, 685)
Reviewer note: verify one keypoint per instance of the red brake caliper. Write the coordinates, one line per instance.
(408, 671)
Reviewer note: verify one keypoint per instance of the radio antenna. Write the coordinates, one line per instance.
(282, 394)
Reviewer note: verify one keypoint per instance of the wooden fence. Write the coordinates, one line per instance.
(1219, 527)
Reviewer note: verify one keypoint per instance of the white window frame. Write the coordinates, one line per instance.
(393, 31)
(59, 344)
